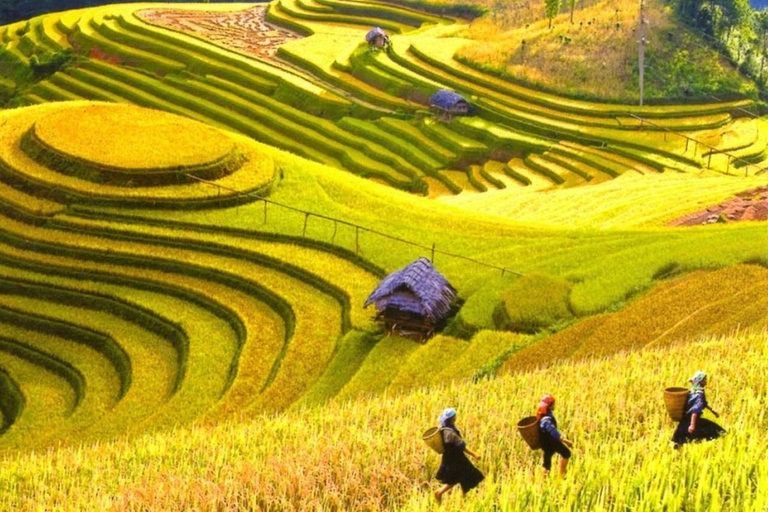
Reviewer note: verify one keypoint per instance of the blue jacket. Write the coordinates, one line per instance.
(548, 424)
(697, 402)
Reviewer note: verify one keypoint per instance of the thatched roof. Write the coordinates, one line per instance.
(373, 33)
(417, 288)
(446, 100)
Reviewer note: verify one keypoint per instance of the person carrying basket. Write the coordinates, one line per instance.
(692, 426)
(455, 467)
(552, 441)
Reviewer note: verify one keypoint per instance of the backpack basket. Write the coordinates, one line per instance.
(529, 429)
(675, 400)
(434, 439)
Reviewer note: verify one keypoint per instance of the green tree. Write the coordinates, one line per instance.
(572, 6)
(761, 28)
(736, 14)
(551, 8)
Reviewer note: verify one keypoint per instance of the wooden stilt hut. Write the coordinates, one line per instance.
(413, 301)
(447, 104)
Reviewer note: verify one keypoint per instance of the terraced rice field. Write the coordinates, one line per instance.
(622, 457)
(258, 70)
(182, 238)
(152, 326)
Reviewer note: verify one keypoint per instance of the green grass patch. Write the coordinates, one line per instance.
(524, 310)
(51, 92)
(410, 132)
(64, 188)
(423, 367)
(12, 401)
(380, 367)
(11, 313)
(487, 173)
(321, 65)
(410, 17)
(461, 145)
(48, 403)
(379, 135)
(350, 354)
(86, 39)
(295, 9)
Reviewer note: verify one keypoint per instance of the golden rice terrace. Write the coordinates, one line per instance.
(330, 98)
(161, 263)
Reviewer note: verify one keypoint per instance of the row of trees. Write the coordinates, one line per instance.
(736, 29)
(552, 8)
(732, 26)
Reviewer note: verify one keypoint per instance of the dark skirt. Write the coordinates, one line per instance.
(705, 430)
(455, 468)
(550, 447)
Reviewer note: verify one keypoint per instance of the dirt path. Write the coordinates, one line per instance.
(748, 205)
(246, 31)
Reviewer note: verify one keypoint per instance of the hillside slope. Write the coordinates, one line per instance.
(147, 285)
(301, 77)
(367, 454)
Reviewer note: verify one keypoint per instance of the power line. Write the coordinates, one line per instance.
(712, 149)
(358, 228)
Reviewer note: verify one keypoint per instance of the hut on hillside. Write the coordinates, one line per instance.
(413, 301)
(377, 38)
(447, 104)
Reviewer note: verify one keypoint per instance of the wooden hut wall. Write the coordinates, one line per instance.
(404, 300)
(461, 107)
(405, 323)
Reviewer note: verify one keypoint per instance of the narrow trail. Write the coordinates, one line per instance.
(656, 341)
(748, 205)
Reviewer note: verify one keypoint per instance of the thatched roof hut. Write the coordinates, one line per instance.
(448, 103)
(376, 37)
(414, 300)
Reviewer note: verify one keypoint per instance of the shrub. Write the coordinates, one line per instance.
(45, 64)
(478, 310)
(534, 302)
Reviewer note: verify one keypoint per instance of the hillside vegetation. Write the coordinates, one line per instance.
(591, 50)
(367, 454)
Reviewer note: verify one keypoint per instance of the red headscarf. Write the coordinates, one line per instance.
(544, 404)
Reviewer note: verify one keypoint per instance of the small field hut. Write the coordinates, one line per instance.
(377, 38)
(413, 301)
(447, 104)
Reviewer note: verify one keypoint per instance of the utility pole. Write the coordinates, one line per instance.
(641, 49)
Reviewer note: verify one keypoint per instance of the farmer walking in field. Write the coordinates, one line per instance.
(552, 441)
(455, 467)
(692, 426)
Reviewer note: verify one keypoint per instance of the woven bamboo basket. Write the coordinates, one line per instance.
(675, 400)
(434, 439)
(529, 429)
